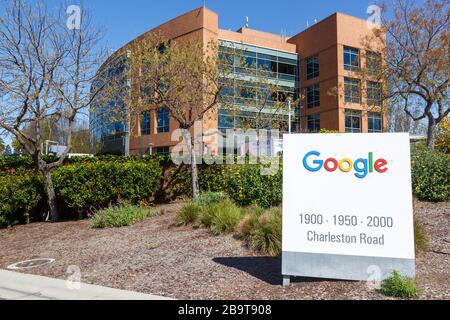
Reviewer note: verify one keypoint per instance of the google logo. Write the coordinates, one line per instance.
(362, 166)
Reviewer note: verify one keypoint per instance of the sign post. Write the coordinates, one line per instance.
(347, 206)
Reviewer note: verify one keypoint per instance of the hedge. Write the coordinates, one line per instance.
(79, 187)
(21, 193)
(430, 175)
(85, 183)
(244, 184)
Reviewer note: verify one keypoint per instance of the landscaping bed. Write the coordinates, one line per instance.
(155, 256)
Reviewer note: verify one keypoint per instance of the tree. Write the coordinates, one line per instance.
(18, 148)
(188, 79)
(46, 69)
(416, 62)
(178, 78)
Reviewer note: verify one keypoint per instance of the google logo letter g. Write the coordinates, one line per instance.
(362, 166)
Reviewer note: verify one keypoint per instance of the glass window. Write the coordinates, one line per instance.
(374, 93)
(163, 47)
(353, 121)
(352, 90)
(244, 62)
(351, 59)
(288, 61)
(287, 68)
(162, 150)
(266, 65)
(375, 122)
(163, 120)
(313, 96)
(373, 62)
(226, 120)
(226, 56)
(267, 57)
(145, 124)
(249, 53)
(314, 123)
(312, 67)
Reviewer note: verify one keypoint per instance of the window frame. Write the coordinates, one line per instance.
(374, 93)
(315, 93)
(352, 52)
(146, 131)
(314, 63)
(353, 114)
(370, 118)
(165, 127)
(373, 62)
(353, 83)
(313, 119)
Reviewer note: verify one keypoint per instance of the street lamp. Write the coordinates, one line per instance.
(290, 114)
(150, 148)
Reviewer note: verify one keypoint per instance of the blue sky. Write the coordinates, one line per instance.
(124, 20)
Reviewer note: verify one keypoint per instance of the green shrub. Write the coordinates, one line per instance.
(420, 236)
(244, 184)
(249, 222)
(399, 287)
(20, 195)
(326, 131)
(223, 217)
(189, 214)
(208, 198)
(120, 216)
(97, 184)
(430, 175)
(21, 162)
(266, 235)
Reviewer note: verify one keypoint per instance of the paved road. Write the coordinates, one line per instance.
(18, 286)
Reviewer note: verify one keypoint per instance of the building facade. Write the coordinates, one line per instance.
(307, 67)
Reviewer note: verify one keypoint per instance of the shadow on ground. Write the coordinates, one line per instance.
(267, 269)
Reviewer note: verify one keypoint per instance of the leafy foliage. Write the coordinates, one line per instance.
(399, 287)
(20, 195)
(120, 216)
(206, 199)
(431, 175)
(189, 214)
(222, 217)
(262, 230)
(97, 184)
(420, 236)
(244, 184)
(443, 136)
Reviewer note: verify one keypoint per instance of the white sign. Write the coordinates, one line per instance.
(347, 205)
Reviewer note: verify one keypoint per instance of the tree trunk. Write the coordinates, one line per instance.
(51, 196)
(194, 169)
(431, 134)
(190, 144)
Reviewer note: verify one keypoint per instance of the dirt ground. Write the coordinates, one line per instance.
(156, 257)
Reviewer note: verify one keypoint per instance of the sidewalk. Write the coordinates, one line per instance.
(18, 286)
